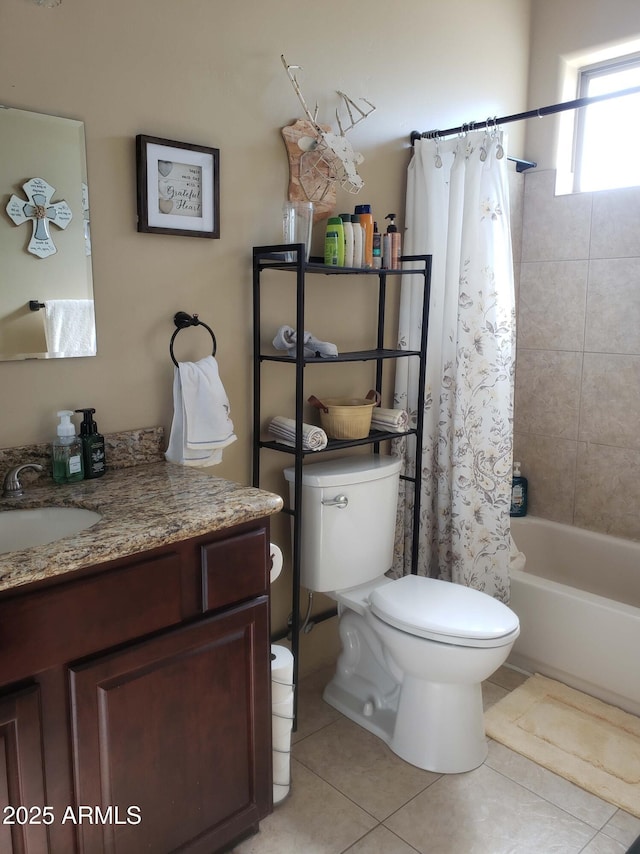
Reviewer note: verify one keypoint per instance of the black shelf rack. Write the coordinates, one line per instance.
(269, 258)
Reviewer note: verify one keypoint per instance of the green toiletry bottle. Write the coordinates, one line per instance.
(67, 451)
(93, 454)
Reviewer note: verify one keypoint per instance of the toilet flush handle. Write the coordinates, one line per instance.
(340, 501)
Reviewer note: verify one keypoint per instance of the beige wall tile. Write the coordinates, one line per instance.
(547, 392)
(608, 490)
(615, 231)
(610, 405)
(613, 305)
(555, 228)
(549, 464)
(552, 305)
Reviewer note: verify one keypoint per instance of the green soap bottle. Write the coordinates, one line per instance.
(67, 451)
(93, 453)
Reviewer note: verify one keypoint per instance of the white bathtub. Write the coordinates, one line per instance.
(578, 601)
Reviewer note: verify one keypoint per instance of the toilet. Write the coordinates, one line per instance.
(415, 650)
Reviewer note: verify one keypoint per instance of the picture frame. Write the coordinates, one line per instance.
(178, 187)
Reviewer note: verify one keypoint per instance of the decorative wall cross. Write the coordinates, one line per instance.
(41, 213)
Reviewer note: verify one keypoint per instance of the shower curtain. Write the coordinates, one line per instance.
(458, 210)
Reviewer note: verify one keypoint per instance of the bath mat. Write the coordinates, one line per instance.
(582, 739)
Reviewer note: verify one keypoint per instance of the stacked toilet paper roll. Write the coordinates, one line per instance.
(281, 719)
(276, 562)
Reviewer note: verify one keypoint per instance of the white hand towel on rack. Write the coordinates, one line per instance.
(70, 327)
(284, 430)
(201, 425)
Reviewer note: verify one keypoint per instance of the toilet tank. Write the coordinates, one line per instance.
(344, 546)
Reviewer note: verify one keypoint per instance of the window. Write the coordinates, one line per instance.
(607, 132)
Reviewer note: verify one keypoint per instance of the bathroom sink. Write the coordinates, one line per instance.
(22, 529)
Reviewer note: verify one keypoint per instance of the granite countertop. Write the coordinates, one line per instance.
(142, 507)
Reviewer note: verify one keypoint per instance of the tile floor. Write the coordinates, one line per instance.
(350, 793)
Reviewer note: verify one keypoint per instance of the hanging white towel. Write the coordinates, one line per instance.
(70, 327)
(201, 425)
(390, 420)
(284, 430)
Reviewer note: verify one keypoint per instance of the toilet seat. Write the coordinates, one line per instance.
(444, 612)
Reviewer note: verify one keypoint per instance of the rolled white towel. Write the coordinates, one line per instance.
(391, 420)
(284, 430)
(286, 339)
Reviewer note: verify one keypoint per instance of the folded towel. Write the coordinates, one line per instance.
(284, 430)
(390, 420)
(286, 339)
(70, 327)
(201, 425)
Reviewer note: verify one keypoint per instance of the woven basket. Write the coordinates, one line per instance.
(346, 417)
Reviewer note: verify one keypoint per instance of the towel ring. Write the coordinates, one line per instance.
(183, 320)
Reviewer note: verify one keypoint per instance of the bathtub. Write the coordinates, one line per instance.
(578, 601)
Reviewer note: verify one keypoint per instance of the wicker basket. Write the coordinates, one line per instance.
(346, 417)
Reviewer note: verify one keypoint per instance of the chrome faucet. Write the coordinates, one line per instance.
(12, 488)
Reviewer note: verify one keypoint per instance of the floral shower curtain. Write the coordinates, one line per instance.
(458, 211)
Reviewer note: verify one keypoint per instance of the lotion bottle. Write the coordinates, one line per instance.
(358, 237)
(363, 212)
(519, 490)
(67, 451)
(93, 455)
(348, 239)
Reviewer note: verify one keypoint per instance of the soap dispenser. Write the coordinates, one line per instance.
(391, 250)
(519, 489)
(67, 451)
(93, 454)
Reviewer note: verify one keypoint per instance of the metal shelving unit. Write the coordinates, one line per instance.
(272, 258)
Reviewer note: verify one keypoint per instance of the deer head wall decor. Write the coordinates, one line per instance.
(328, 158)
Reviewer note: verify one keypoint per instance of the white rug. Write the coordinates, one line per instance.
(582, 739)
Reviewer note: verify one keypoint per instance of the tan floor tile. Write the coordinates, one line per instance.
(362, 767)
(491, 694)
(313, 712)
(481, 812)
(603, 844)
(623, 827)
(380, 841)
(550, 786)
(314, 819)
(508, 678)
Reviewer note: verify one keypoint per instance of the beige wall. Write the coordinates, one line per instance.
(210, 73)
(562, 31)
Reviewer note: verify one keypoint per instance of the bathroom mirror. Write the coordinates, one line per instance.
(46, 282)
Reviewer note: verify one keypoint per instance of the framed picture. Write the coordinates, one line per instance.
(178, 187)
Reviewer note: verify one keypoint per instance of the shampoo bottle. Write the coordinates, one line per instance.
(331, 248)
(519, 488)
(363, 212)
(358, 237)
(348, 239)
(334, 223)
(93, 455)
(67, 451)
(377, 247)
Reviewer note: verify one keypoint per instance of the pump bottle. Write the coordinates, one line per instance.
(391, 245)
(93, 454)
(67, 451)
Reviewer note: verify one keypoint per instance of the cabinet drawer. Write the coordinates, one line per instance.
(234, 569)
(41, 630)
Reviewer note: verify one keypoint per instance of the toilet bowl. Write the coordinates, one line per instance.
(414, 650)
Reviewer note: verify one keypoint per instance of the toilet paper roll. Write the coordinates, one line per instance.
(276, 562)
(281, 769)
(281, 673)
(279, 794)
(281, 733)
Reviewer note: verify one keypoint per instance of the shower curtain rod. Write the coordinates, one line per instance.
(521, 165)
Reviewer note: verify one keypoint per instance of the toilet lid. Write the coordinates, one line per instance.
(443, 611)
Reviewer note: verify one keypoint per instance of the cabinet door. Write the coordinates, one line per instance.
(23, 828)
(171, 737)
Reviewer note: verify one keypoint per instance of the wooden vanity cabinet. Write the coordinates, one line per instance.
(135, 701)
